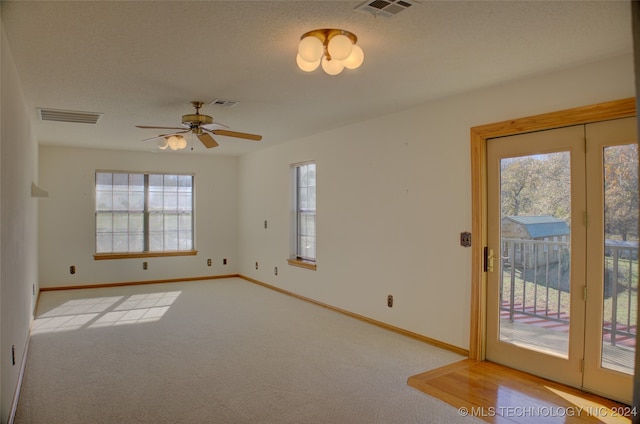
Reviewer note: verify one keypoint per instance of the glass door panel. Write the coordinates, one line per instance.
(537, 238)
(620, 260)
(535, 253)
(612, 277)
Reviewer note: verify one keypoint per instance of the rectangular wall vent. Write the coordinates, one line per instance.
(224, 103)
(68, 116)
(385, 8)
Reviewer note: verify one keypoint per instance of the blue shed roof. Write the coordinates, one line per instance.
(540, 226)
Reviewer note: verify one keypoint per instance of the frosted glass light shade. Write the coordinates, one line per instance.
(340, 47)
(355, 59)
(332, 67)
(307, 66)
(163, 143)
(310, 49)
(177, 142)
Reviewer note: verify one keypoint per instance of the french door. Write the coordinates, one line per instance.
(562, 255)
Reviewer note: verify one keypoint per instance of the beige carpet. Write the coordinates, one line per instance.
(219, 351)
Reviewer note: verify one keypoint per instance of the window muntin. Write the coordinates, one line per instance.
(143, 212)
(305, 207)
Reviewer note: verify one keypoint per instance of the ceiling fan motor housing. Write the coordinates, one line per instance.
(195, 120)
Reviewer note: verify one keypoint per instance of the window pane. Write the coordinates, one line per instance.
(136, 223)
(104, 222)
(104, 243)
(120, 223)
(104, 180)
(311, 175)
(170, 222)
(136, 242)
(120, 242)
(185, 183)
(186, 238)
(171, 240)
(121, 182)
(120, 201)
(155, 182)
(170, 201)
(136, 200)
(136, 182)
(156, 241)
(184, 221)
(104, 200)
(171, 183)
(155, 200)
(185, 202)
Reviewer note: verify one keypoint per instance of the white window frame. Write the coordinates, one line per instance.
(144, 243)
(303, 217)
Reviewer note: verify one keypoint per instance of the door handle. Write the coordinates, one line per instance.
(488, 259)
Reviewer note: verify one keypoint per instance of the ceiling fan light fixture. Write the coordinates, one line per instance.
(163, 143)
(175, 142)
(334, 49)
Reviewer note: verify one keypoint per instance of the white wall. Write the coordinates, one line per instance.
(18, 226)
(393, 195)
(67, 225)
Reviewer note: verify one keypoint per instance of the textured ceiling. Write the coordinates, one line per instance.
(142, 62)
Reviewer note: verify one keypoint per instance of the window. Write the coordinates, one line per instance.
(304, 225)
(141, 214)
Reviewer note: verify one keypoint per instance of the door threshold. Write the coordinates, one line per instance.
(496, 393)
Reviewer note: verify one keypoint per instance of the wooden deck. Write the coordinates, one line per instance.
(552, 337)
(498, 394)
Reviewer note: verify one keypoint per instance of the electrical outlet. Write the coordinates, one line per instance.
(145, 265)
(256, 264)
(224, 261)
(275, 271)
(465, 239)
(265, 224)
(390, 300)
(209, 262)
(72, 269)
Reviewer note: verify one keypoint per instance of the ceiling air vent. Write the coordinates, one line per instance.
(224, 103)
(68, 116)
(385, 8)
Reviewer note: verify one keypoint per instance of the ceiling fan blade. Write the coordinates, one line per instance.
(159, 128)
(207, 140)
(247, 136)
(214, 126)
(165, 135)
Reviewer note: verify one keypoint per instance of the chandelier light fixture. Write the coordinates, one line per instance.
(174, 142)
(333, 49)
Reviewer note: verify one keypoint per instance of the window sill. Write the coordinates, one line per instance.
(302, 264)
(102, 256)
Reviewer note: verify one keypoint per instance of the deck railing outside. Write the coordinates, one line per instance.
(536, 284)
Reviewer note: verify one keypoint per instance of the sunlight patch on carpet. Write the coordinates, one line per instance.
(105, 312)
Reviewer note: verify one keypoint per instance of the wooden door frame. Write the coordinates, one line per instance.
(479, 135)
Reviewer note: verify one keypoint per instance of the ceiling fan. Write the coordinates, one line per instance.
(202, 126)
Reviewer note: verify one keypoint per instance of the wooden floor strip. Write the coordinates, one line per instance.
(498, 394)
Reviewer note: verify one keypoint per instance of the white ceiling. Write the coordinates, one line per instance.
(142, 62)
